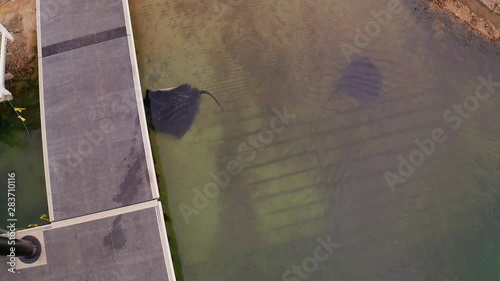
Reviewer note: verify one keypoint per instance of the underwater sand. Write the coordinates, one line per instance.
(323, 174)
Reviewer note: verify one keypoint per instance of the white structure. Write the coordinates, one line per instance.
(4, 94)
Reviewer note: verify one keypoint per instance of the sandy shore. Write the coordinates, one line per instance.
(475, 13)
(19, 17)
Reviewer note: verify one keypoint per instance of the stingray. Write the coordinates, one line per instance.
(172, 111)
(361, 79)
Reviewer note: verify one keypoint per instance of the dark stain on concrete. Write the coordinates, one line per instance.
(133, 178)
(116, 237)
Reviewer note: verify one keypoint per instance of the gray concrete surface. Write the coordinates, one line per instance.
(114, 248)
(107, 223)
(95, 150)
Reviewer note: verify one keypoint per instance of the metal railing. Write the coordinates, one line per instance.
(5, 95)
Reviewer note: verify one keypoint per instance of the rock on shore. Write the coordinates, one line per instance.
(19, 17)
(475, 13)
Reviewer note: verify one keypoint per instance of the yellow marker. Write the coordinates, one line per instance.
(45, 217)
(22, 119)
(19, 109)
(32, 225)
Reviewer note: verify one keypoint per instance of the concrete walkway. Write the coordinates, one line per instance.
(107, 222)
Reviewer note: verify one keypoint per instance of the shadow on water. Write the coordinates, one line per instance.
(361, 79)
(323, 174)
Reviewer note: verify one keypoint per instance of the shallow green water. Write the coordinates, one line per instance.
(323, 174)
(17, 155)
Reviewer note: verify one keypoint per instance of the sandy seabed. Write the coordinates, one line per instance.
(19, 17)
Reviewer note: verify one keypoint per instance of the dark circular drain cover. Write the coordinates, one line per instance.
(38, 245)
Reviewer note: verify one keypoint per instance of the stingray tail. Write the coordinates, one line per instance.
(205, 92)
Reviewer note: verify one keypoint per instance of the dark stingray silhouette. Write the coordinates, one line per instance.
(172, 111)
(361, 79)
